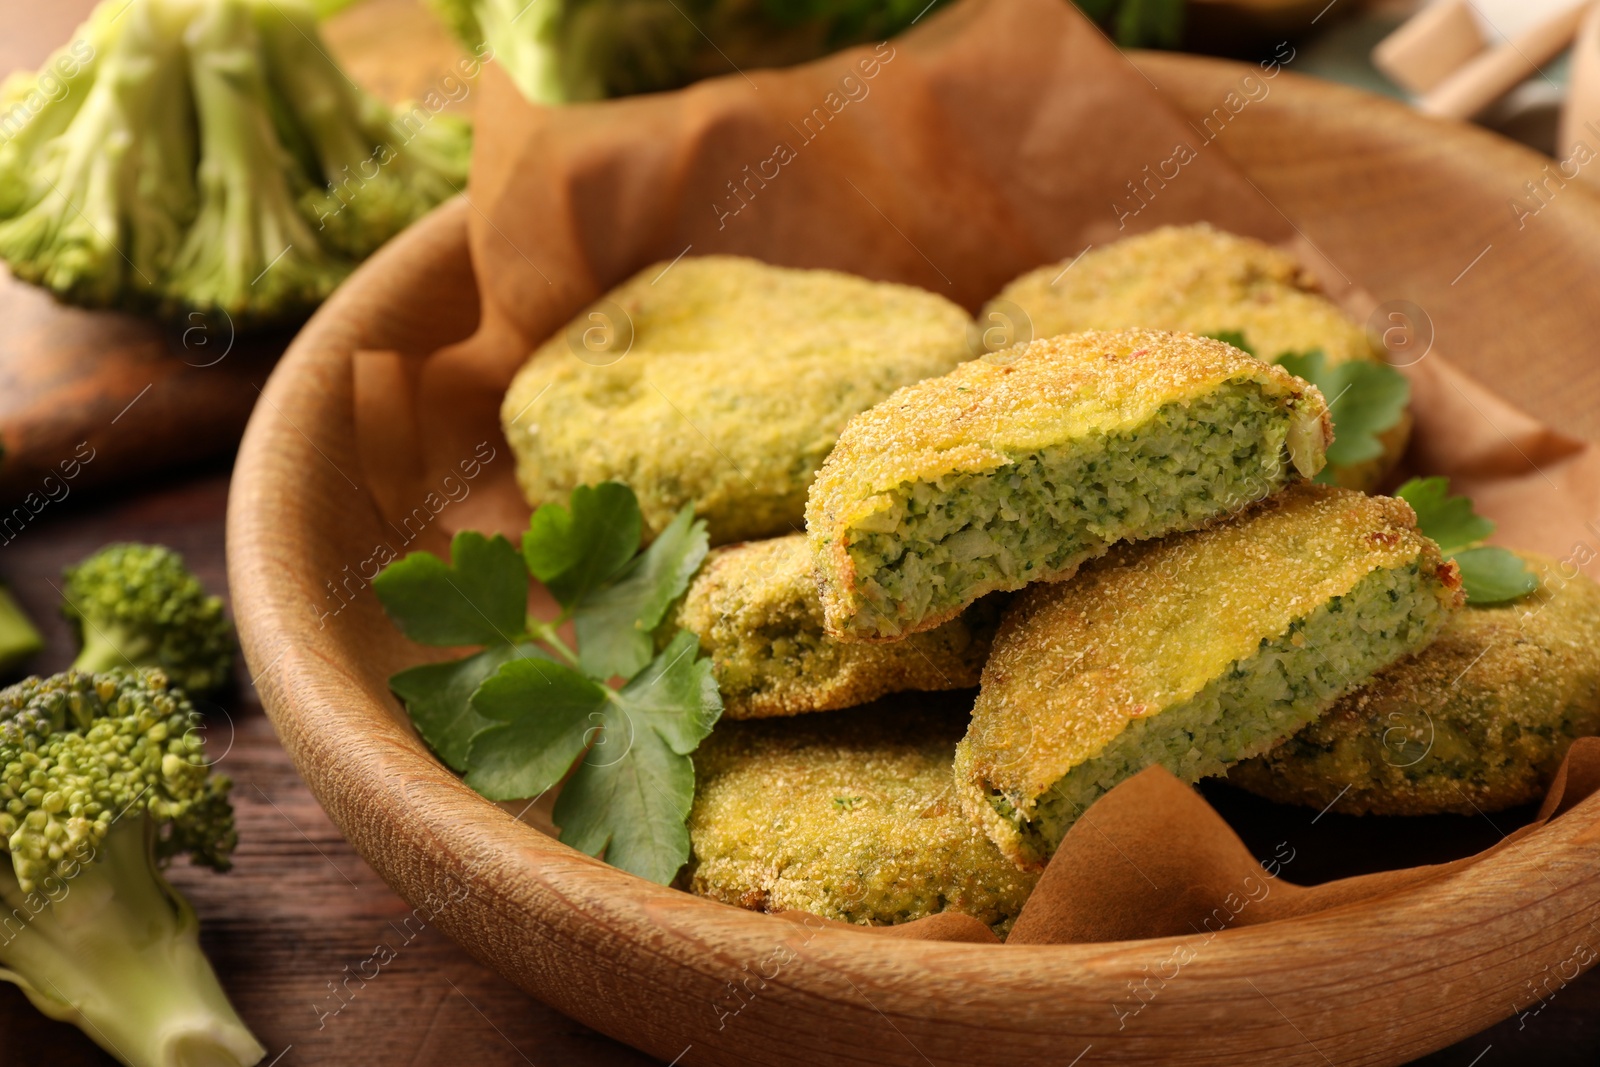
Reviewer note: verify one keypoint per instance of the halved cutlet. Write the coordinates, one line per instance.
(1478, 721)
(1019, 466)
(1196, 279)
(1192, 653)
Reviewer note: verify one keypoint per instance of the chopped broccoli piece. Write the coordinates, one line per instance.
(19, 638)
(569, 50)
(139, 606)
(103, 778)
(207, 155)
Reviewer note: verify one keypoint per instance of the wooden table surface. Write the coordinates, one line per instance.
(300, 910)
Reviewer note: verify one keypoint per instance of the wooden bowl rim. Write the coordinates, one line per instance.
(316, 703)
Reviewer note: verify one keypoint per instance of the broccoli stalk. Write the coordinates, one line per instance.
(102, 779)
(139, 606)
(379, 175)
(186, 154)
(249, 244)
(115, 646)
(524, 39)
(19, 638)
(150, 996)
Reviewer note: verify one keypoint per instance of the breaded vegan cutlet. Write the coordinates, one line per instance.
(846, 815)
(1478, 721)
(1196, 279)
(727, 382)
(1192, 653)
(754, 607)
(1019, 466)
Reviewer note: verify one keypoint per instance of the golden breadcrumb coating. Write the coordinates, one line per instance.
(1196, 279)
(847, 815)
(754, 607)
(989, 413)
(1476, 722)
(736, 379)
(1156, 626)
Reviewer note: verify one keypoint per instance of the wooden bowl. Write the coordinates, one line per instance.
(1402, 202)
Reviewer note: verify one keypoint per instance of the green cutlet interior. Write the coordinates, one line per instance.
(944, 542)
(1257, 702)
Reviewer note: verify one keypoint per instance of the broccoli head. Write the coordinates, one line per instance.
(560, 51)
(103, 777)
(139, 606)
(206, 155)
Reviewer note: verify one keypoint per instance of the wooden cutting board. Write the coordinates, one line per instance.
(95, 399)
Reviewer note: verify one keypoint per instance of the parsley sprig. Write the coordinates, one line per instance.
(1364, 399)
(1490, 575)
(526, 710)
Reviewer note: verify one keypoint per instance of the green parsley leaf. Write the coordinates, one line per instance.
(1490, 575)
(1234, 338)
(1364, 399)
(516, 721)
(615, 623)
(480, 598)
(573, 551)
(540, 718)
(438, 697)
(1449, 520)
(630, 796)
(1493, 575)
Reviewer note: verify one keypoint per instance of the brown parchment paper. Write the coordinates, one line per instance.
(997, 136)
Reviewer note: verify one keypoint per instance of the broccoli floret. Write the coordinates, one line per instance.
(559, 51)
(88, 208)
(103, 778)
(206, 155)
(139, 606)
(19, 638)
